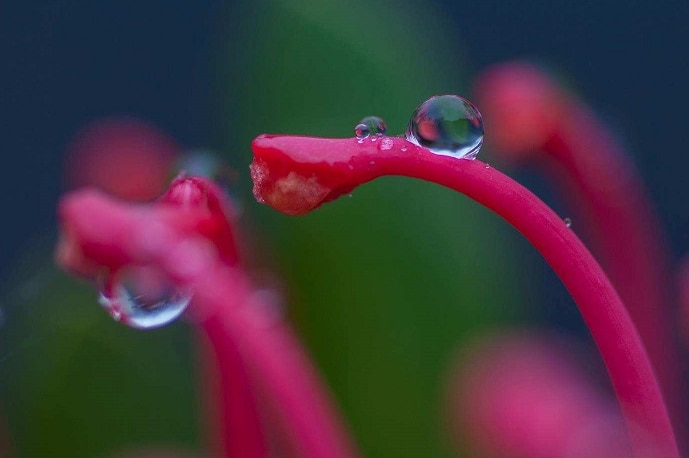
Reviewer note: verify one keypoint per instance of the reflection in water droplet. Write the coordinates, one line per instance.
(568, 222)
(447, 124)
(152, 309)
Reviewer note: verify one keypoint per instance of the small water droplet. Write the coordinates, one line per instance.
(362, 131)
(386, 143)
(374, 139)
(376, 126)
(568, 222)
(404, 148)
(448, 125)
(487, 166)
(144, 304)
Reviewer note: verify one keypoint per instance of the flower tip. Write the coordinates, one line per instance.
(292, 194)
(187, 192)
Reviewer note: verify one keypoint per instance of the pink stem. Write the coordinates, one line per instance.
(235, 424)
(627, 233)
(273, 353)
(281, 161)
(600, 180)
(603, 311)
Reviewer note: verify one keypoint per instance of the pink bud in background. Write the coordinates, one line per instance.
(125, 157)
(521, 107)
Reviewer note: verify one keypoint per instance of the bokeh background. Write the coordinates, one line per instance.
(385, 286)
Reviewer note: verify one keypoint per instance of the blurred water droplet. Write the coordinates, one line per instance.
(143, 307)
(568, 222)
(386, 143)
(487, 166)
(208, 164)
(448, 125)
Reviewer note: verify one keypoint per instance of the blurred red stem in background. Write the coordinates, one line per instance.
(539, 121)
(235, 427)
(187, 236)
(297, 174)
(279, 364)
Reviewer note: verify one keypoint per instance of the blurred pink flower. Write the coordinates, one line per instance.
(125, 157)
(523, 396)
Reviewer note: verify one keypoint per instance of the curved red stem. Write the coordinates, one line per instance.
(297, 174)
(598, 178)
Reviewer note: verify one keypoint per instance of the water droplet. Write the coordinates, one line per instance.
(202, 162)
(143, 304)
(362, 131)
(487, 166)
(447, 124)
(376, 126)
(568, 222)
(386, 143)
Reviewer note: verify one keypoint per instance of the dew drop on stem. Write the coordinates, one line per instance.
(370, 125)
(447, 125)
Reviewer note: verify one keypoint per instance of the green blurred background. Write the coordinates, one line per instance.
(384, 286)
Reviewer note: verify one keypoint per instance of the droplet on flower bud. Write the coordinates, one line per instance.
(447, 124)
(370, 125)
(143, 301)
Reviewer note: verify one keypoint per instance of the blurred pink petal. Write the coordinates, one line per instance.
(125, 157)
(521, 395)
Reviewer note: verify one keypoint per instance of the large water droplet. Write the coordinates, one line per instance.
(143, 305)
(370, 125)
(447, 124)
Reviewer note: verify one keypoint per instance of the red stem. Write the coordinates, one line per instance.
(598, 178)
(235, 423)
(627, 233)
(302, 404)
(290, 172)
